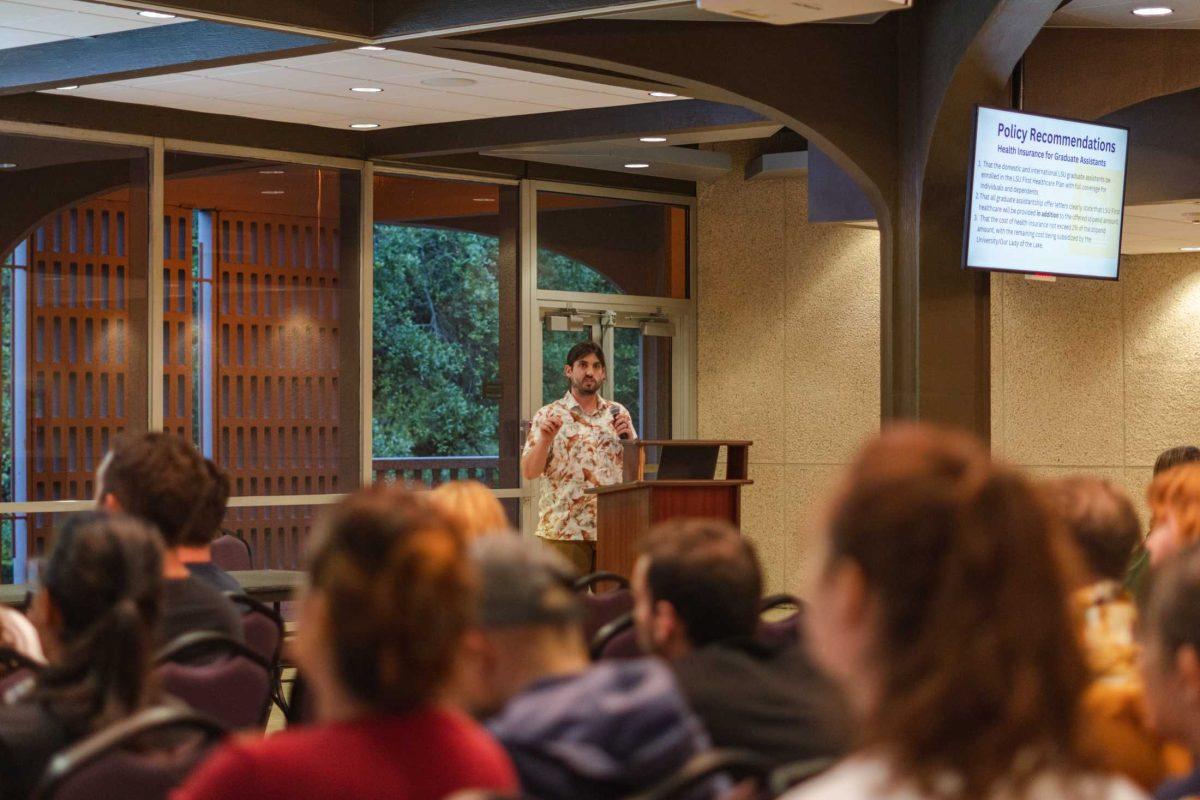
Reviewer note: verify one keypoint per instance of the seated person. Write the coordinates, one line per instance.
(1139, 565)
(162, 479)
(1104, 528)
(476, 506)
(18, 634)
(95, 612)
(390, 597)
(696, 590)
(576, 731)
(1170, 637)
(943, 612)
(1174, 499)
(195, 550)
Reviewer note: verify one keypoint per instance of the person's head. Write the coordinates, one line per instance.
(475, 505)
(529, 623)
(207, 523)
(95, 612)
(943, 611)
(158, 477)
(585, 368)
(1170, 633)
(697, 581)
(390, 595)
(1173, 457)
(1101, 520)
(1174, 499)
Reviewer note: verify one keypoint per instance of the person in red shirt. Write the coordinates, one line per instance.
(390, 596)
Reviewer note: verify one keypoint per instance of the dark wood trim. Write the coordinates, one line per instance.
(514, 169)
(591, 124)
(144, 120)
(147, 51)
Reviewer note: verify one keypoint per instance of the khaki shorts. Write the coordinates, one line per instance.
(581, 554)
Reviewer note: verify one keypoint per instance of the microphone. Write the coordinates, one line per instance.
(615, 412)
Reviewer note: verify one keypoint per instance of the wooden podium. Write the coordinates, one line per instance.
(626, 510)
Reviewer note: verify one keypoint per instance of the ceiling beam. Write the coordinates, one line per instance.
(172, 123)
(558, 127)
(346, 19)
(408, 19)
(160, 50)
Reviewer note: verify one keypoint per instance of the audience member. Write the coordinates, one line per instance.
(696, 590)
(476, 506)
(162, 479)
(18, 633)
(1173, 457)
(1139, 565)
(1170, 632)
(575, 731)
(1104, 526)
(390, 597)
(1174, 498)
(195, 549)
(943, 612)
(95, 612)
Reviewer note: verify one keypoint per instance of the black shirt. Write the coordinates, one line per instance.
(189, 604)
(214, 576)
(30, 735)
(768, 700)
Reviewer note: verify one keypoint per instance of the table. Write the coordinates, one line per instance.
(265, 585)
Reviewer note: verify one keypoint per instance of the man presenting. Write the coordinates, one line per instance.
(575, 443)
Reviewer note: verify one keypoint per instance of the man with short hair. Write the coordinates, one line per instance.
(575, 444)
(195, 551)
(573, 729)
(162, 479)
(696, 588)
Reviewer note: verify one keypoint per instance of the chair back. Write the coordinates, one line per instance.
(140, 758)
(217, 676)
(262, 626)
(301, 707)
(712, 773)
(601, 608)
(617, 639)
(780, 631)
(231, 552)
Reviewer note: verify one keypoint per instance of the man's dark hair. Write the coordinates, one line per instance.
(160, 478)
(1101, 520)
(211, 512)
(709, 573)
(582, 349)
(1171, 609)
(1183, 454)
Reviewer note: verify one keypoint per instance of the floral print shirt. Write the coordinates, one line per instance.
(586, 452)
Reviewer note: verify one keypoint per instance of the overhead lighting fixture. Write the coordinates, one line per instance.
(272, 191)
(636, 165)
(270, 172)
(652, 139)
(156, 15)
(372, 47)
(1152, 11)
(362, 126)
(1190, 249)
(66, 88)
(484, 199)
(663, 94)
(366, 89)
(448, 83)
(7, 165)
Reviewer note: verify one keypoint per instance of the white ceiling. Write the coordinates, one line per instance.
(24, 22)
(1119, 14)
(1161, 228)
(315, 90)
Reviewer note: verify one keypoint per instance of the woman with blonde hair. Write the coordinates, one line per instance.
(474, 505)
(1174, 498)
(943, 612)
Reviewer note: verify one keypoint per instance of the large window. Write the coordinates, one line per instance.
(446, 389)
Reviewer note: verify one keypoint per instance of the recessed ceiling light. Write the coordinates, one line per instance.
(484, 199)
(447, 83)
(156, 15)
(1190, 249)
(366, 89)
(272, 191)
(1152, 11)
(636, 166)
(372, 47)
(362, 126)
(66, 88)
(663, 94)
(7, 165)
(652, 139)
(270, 172)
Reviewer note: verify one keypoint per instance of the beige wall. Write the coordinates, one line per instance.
(1098, 376)
(788, 351)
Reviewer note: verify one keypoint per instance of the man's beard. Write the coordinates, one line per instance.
(578, 387)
